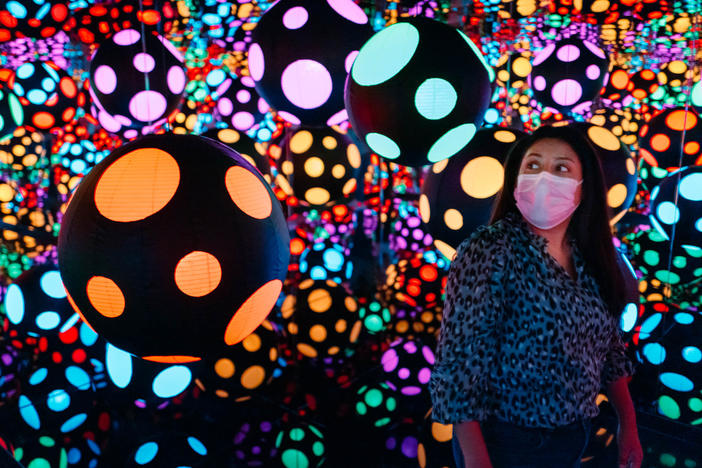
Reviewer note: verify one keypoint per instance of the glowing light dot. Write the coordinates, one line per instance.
(505, 136)
(314, 167)
(691, 187)
(566, 92)
(248, 192)
(435, 98)
(126, 37)
(385, 54)
(295, 18)
(146, 453)
(568, 53)
(306, 83)
(171, 381)
(252, 312)
(681, 120)
(482, 177)
(349, 10)
(198, 273)
(105, 296)
(256, 62)
(317, 196)
(382, 145)
(143, 62)
(176, 79)
(616, 195)
(603, 138)
(301, 142)
(52, 285)
(453, 219)
(668, 213)
(592, 72)
(451, 142)
(224, 368)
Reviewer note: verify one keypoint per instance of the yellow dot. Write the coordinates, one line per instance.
(424, 208)
(354, 156)
(248, 192)
(349, 186)
(105, 296)
(19, 150)
(317, 196)
(603, 138)
(287, 167)
(440, 166)
(338, 171)
(616, 195)
(6, 193)
(318, 333)
(252, 312)
(329, 142)
(228, 135)
(252, 343)
(521, 67)
(253, 377)
(224, 368)
(631, 166)
(137, 185)
(482, 177)
(301, 142)
(314, 167)
(453, 219)
(319, 300)
(678, 67)
(505, 136)
(198, 273)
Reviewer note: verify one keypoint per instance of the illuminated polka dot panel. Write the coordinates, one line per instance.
(321, 164)
(676, 205)
(322, 317)
(50, 97)
(135, 81)
(193, 230)
(406, 77)
(568, 74)
(301, 54)
(458, 194)
(11, 112)
(170, 449)
(662, 144)
(300, 445)
(407, 366)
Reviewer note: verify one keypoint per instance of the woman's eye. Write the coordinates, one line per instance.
(532, 165)
(562, 168)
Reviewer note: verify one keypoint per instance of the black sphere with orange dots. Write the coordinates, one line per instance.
(173, 246)
(672, 139)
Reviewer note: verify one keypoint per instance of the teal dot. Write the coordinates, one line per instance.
(679, 262)
(293, 458)
(435, 99)
(667, 277)
(361, 408)
(474, 48)
(677, 382)
(297, 434)
(698, 225)
(691, 187)
(47, 441)
(318, 448)
(373, 323)
(651, 257)
(667, 459)
(16, 109)
(58, 400)
(697, 94)
(383, 146)
(385, 54)
(146, 453)
(374, 397)
(695, 404)
(692, 354)
(654, 352)
(39, 463)
(451, 142)
(668, 407)
(668, 213)
(628, 318)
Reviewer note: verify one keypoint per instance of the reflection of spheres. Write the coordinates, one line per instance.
(407, 366)
(375, 316)
(406, 77)
(457, 195)
(642, 84)
(170, 449)
(11, 112)
(300, 55)
(251, 150)
(407, 234)
(662, 139)
(50, 97)
(118, 72)
(238, 101)
(300, 445)
(323, 318)
(618, 166)
(321, 163)
(676, 205)
(568, 74)
(376, 404)
(154, 189)
(23, 150)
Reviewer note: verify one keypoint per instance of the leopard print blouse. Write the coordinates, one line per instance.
(520, 339)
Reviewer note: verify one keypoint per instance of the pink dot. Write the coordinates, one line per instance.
(424, 376)
(428, 354)
(539, 83)
(566, 92)
(248, 81)
(225, 106)
(256, 62)
(349, 60)
(176, 79)
(543, 54)
(403, 373)
(263, 106)
(306, 83)
(593, 72)
(413, 222)
(594, 49)
(243, 96)
(123, 120)
(131, 133)
(411, 390)
(147, 106)
(295, 18)
(243, 121)
(108, 122)
(144, 62)
(410, 347)
(171, 48)
(349, 10)
(105, 79)
(126, 37)
(568, 53)
(338, 118)
(389, 360)
(289, 117)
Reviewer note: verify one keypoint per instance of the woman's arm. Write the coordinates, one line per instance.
(470, 438)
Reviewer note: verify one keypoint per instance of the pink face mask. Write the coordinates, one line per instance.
(546, 200)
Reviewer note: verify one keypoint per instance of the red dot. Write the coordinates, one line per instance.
(79, 356)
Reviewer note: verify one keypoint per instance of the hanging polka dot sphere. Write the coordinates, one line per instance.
(239, 102)
(50, 97)
(567, 75)
(24, 150)
(254, 441)
(458, 194)
(642, 84)
(677, 204)
(407, 365)
(135, 81)
(300, 445)
(327, 260)
(416, 74)
(167, 230)
(300, 55)
(662, 143)
(376, 404)
(615, 88)
(11, 112)
(674, 74)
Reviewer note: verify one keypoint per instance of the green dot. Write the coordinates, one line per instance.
(383, 146)
(668, 407)
(658, 173)
(293, 458)
(667, 276)
(690, 463)
(382, 422)
(318, 448)
(385, 54)
(16, 109)
(679, 262)
(435, 98)
(47, 441)
(18, 453)
(391, 404)
(451, 142)
(63, 459)
(39, 463)
(667, 459)
(373, 323)
(361, 408)
(474, 48)
(297, 434)
(693, 251)
(374, 306)
(374, 397)
(652, 257)
(278, 440)
(316, 432)
(695, 404)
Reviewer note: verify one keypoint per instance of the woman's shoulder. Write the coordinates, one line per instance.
(488, 240)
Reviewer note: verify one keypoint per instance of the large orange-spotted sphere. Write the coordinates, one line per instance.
(173, 247)
(672, 139)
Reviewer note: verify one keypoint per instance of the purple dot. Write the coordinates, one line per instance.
(306, 83)
(256, 450)
(428, 354)
(126, 121)
(248, 81)
(105, 79)
(594, 49)
(424, 375)
(147, 106)
(131, 133)
(403, 373)
(409, 447)
(543, 54)
(171, 48)
(593, 72)
(349, 10)
(239, 438)
(413, 221)
(243, 121)
(225, 106)
(243, 96)
(410, 347)
(417, 234)
(256, 62)
(262, 106)
(391, 443)
(568, 53)
(566, 92)
(144, 62)
(539, 83)
(348, 63)
(295, 17)
(126, 37)
(401, 243)
(289, 117)
(108, 122)
(176, 79)
(266, 426)
(338, 118)
(411, 390)
(389, 360)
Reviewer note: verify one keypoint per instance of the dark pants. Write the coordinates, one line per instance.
(512, 446)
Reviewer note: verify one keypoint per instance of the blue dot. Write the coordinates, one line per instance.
(38, 376)
(676, 381)
(215, 78)
(48, 320)
(692, 354)
(58, 400)
(691, 187)
(52, 73)
(14, 304)
(73, 319)
(435, 98)
(78, 166)
(684, 318)
(698, 225)
(17, 9)
(654, 352)
(385, 54)
(74, 456)
(78, 377)
(668, 213)
(37, 97)
(628, 318)
(211, 19)
(649, 325)
(451, 142)
(28, 412)
(73, 422)
(119, 366)
(52, 285)
(657, 226)
(491, 116)
(25, 71)
(318, 273)
(171, 381)
(383, 146)
(333, 259)
(197, 446)
(146, 453)
(48, 85)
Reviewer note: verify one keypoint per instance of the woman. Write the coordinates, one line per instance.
(530, 327)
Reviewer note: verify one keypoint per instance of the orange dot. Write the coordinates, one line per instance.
(660, 142)
(648, 157)
(252, 312)
(77, 310)
(428, 273)
(43, 120)
(248, 192)
(647, 75)
(691, 147)
(198, 273)
(105, 296)
(137, 185)
(619, 79)
(681, 120)
(297, 246)
(68, 87)
(171, 359)
(639, 94)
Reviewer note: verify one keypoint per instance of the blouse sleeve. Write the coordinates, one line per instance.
(617, 363)
(466, 346)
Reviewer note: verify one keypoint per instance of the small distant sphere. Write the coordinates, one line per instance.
(661, 139)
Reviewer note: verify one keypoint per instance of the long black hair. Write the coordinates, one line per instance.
(589, 225)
